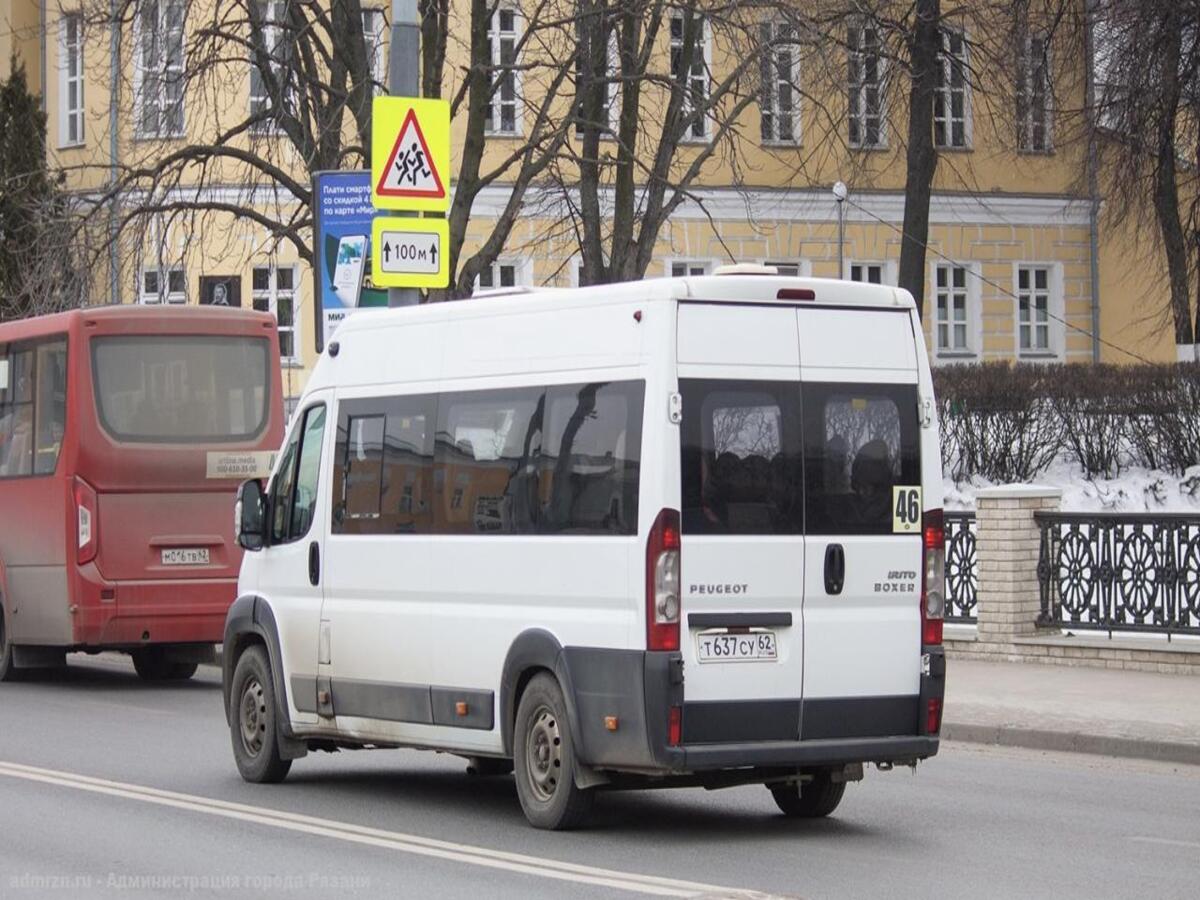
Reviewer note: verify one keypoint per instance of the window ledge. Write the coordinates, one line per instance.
(72, 145)
(1029, 151)
(869, 148)
(783, 144)
(967, 149)
(957, 354)
(1045, 356)
(290, 364)
(506, 135)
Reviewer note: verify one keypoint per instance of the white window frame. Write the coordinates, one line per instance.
(70, 116)
(705, 265)
(521, 274)
(781, 38)
(1027, 68)
(271, 295)
(272, 37)
(974, 320)
(803, 267)
(691, 136)
(943, 97)
(374, 30)
(164, 294)
(1055, 308)
(888, 270)
(496, 39)
(165, 73)
(856, 93)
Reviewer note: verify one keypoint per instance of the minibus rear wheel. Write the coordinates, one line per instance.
(544, 759)
(153, 664)
(812, 800)
(252, 722)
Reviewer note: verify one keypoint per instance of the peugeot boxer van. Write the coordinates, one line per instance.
(666, 533)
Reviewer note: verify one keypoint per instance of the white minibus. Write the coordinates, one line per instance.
(665, 533)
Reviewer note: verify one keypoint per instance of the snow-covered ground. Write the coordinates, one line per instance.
(1134, 490)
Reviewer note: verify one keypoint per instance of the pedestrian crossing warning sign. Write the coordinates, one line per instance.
(410, 154)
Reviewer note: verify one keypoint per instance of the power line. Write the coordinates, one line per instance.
(999, 287)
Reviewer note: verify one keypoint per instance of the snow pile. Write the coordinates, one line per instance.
(1134, 490)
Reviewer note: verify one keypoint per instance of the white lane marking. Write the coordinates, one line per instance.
(1168, 841)
(391, 840)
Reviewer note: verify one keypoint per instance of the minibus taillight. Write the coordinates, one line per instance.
(87, 522)
(662, 582)
(933, 578)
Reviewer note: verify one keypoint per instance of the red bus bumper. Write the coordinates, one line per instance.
(161, 611)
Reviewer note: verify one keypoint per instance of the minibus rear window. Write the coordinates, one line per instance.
(741, 457)
(181, 389)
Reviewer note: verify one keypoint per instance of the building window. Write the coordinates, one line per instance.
(870, 273)
(692, 72)
(498, 275)
(1033, 310)
(588, 29)
(503, 115)
(70, 80)
(952, 322)
(865, 87)
(264, 111)
(780, 84)
(1033, 95)
(681, 268)
(952, 99)
(162, 286)
(274, 291)
(791, 269)
(373, 28)
(159, 73)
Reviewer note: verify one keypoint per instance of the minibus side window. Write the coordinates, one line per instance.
(741, 457)
(383, 465)
(861, 440)
(589, 474)
(16, 415)
(51, 410)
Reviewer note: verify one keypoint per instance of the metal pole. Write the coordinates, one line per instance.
(840, 193)
(404, 80)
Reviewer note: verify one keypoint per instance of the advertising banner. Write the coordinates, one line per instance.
(342, 214)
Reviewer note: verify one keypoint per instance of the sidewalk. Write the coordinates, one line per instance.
(1044, 707)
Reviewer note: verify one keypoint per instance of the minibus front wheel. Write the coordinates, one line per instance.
(252, 724)
(544, 759)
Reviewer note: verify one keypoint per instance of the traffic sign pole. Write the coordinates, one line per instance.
(404, 81)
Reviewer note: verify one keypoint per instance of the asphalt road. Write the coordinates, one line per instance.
(109, 787)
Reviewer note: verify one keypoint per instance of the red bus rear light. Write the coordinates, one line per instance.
(662, 582)
(87, 522)
(675, 726)
(933, 576)
(933, 716)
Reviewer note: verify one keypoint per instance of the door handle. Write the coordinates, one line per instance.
(835, 569)
(314, 564)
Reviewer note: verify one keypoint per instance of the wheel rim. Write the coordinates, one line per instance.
(253, 717)
(543, 753)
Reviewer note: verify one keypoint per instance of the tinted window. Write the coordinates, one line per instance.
(50, 414)
(382, 477)
(181, 389)
(590, 459)
(741, 457)
(860, 442)
(488, 444)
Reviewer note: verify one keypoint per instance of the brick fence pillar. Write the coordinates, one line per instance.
(1007, 543)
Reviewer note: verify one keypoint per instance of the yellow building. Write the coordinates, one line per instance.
(1010, 240)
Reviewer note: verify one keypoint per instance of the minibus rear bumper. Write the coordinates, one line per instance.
(125, 614)
(621, 701)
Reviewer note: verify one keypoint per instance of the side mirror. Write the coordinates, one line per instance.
(250, 514)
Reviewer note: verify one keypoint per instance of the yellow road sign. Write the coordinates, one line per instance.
(410, 154)
(410, 252)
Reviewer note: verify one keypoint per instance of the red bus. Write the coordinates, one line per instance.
(124, 433)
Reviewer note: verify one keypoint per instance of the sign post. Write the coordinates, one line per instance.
(404, 80)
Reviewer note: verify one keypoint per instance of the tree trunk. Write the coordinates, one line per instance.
(924, 47)
(1166, 189)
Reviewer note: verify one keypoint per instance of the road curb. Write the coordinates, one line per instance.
(1072, 742)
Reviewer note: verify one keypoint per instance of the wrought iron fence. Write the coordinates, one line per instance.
(1118, 572)
(962, 575)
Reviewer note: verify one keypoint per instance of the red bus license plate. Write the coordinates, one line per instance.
(185, 556)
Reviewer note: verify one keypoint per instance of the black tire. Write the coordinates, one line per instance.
(544, 759)
(8, 672)
(814, 799)
(155, 664)
(252, 724)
